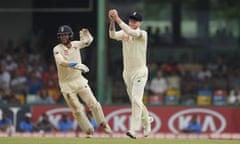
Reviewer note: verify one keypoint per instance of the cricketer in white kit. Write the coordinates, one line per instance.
(73, 83)
(135, 72)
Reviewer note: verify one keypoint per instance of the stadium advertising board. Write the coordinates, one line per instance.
(173, 119)
(166, 119)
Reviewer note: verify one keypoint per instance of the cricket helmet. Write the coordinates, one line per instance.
(65, 29)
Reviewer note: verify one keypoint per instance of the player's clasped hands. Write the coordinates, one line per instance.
(112, 14)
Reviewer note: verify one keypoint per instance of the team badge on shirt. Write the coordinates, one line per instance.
(65, 52)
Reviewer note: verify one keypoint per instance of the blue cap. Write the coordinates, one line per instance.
(136, 16)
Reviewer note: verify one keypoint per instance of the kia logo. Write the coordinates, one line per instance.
(121, 119)
(210, 120)
(55, 115)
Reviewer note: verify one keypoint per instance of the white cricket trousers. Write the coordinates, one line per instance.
(135, 82)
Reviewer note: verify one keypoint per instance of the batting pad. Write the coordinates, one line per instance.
(83, 122)
(97, 113)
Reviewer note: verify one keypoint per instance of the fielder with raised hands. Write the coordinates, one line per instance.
(135, 72)
(73, 83)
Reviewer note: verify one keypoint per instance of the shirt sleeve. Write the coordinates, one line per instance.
(59, 58)
(132, 32)
(117, 35)
(84, 41)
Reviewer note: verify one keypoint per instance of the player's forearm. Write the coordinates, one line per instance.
(112, 29)
(118, 20)
(61, 61)
(64, 63)
(117, 35)
(112, 26)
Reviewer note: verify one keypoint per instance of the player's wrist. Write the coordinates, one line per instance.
(119, 20)
(72, 64)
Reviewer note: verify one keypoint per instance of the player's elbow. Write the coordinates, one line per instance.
(111, 37)
(112, 34)
(62, 63)
(133, 33)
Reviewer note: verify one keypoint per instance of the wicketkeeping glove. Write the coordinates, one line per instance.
(84, 32)
(79, 66)
(85, 36)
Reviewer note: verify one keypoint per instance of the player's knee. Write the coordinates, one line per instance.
(136, 102)
(90, 102)
(78, 107)
(94, 105)
(78, 113)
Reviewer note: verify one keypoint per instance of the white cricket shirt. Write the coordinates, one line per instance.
(134, 46)
(63, 56)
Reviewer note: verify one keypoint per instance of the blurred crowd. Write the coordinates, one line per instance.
(27, 76)
(44, 124)
(187, 82)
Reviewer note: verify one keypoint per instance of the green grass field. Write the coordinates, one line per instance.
(11, 140)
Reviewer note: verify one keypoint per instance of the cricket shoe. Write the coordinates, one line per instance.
(106, 128)
(89, 133)
(89, 136)
(147, 128)
(131, 134)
